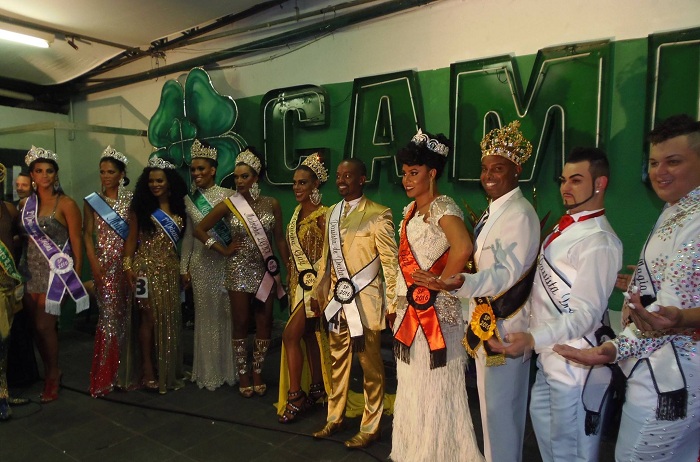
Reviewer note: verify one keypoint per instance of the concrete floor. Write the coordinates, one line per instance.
(186, 425)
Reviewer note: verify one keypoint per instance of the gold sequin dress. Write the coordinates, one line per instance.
(311, 240)
(246, 268)
(213, 355)
(113, 359)
(156, 259)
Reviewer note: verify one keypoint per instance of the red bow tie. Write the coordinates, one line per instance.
(567, 220)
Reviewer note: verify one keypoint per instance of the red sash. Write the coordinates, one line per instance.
(421, 305)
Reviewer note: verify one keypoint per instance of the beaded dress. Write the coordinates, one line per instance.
(213, 355)
(35, 268)
(9, 305)
(245, 268)
(113, 359)
(157, 260)
(671, 258)
(311, 241)
(431, 413)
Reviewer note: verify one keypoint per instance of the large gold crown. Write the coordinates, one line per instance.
(198, 150)
(315, 163)
(36, 153)
(114, 154)
(507, 142)
(250, 159)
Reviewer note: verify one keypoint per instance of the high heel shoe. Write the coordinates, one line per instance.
(51, 387)
(297, 403)
(317, 392)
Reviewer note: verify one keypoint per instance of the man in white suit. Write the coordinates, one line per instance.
(497, 292)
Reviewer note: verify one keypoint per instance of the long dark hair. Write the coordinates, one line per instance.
(144, 203)
(53, 163)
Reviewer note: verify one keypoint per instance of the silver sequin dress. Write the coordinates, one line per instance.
(113, 359)
(431, 413)
(213, 355)
(157, 260)
(246, 268)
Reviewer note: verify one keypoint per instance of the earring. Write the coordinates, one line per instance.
(56, 185)
(255, 191)
(34, 186)
(315, 196)
(431, 187)
(597, 191)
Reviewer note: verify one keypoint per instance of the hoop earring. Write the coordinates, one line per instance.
(315, 196)
(255, 191)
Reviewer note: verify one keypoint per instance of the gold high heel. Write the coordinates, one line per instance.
(240, 352)
(259, 353)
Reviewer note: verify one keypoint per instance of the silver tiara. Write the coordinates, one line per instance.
(432, 144)
(250, 159)
(114, 154)
(159, 162)
(198, 150)
(39, 153)
(315, 163)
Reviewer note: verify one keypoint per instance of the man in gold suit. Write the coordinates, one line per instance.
(358, 247)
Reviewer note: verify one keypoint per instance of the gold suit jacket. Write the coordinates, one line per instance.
(366, 232)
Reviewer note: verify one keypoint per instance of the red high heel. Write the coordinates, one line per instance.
(51, 387)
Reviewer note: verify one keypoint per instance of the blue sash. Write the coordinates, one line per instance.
(168, 224)
(108, 215)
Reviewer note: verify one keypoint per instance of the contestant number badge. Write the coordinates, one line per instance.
(141, 290)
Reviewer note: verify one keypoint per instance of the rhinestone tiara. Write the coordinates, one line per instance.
(250, 159)
(315, 163)
(198, 150)
(114, 154)
(39, 153)
(159, 162)
(432, 144)
(507, 142)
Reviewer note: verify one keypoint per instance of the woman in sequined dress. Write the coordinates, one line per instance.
(431, 412)
(662, 399)
(59, 218)
(205, 271)
(152, 265)
(246, 269)
(112, 363)
(303, 332)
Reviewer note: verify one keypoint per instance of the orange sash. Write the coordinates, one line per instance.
(421, 305)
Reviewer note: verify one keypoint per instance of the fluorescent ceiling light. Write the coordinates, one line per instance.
(22, 38)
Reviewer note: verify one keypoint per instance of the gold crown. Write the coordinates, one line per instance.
(198, 150)
(507, 142)
(39, 153)
(3, 173)
(159, 162)
(250, 159)
(315, 163)
(430, 143)
(114, 154)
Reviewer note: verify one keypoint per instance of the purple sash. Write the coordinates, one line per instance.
(63, 276)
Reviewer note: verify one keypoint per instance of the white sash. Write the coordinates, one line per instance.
(346, 288)
(256, 230)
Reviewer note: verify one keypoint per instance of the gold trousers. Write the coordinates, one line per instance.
(373, 371)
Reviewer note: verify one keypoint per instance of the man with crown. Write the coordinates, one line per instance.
(576, 272)
(359, 247)
(497, 292)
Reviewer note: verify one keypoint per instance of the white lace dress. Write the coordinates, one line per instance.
(431, 414)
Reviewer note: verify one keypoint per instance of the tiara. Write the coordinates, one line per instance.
(430, 143)
(315, 163)
(507, 142)
(39, 153)
(199, 150)
(159, 162)
(114, 154)
(250, 159)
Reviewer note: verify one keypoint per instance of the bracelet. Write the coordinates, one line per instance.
(210, 243)
(126, 264)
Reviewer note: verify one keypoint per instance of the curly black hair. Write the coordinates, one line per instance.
(119, 165)
(419, 154)
(144, 203)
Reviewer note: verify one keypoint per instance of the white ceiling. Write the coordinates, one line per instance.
(133, 23)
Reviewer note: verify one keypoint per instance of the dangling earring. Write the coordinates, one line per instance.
(120, 188)
(315, 196)
(34, 186)
(56, 185)
(255, 191)
(432, 183)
